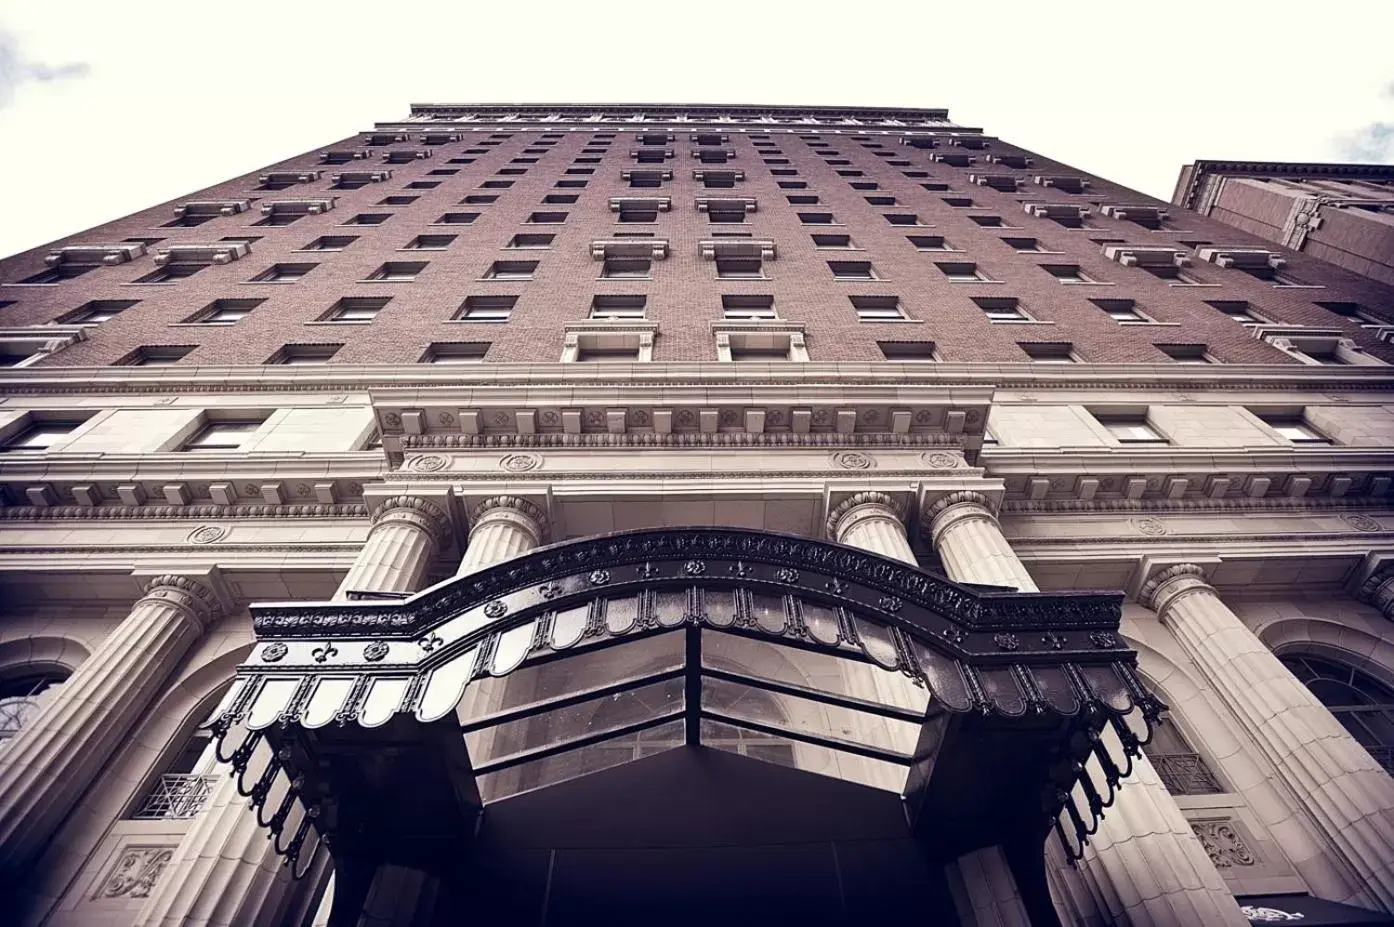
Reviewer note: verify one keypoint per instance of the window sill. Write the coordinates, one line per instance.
(1086, 283)
(503, 279)
(325, 250)
(269, 282)
(1148, 323)
(1298, 286)
(941, 251)
(891, 321)
(413, 250)
(202, 324)
(624, 279)
(370, 280)
(1196, 285)
(862, 280)
(337, 322)
(1020, 322)
(476, 321)
(976, 282)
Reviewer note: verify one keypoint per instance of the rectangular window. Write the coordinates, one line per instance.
(902, 218)
(170, 273)
(852, 270)
(1237, 309)
(525, 241)
(960, 202)
(546, 218)
(740, 268)
(330, 243)
(1002, 308)
(359, 310)
(488, 309)
(747, 307)
(1187, 353)
(817, 218)
(156, 355)
(40, 436)
(1023, 245)
(989, 222)
(560, 199)
(97, 311)
(908, 351)
(618, 308)
(803, 199)
(224, 311)
(1294, 427)
(398, 271)
(423, 185)
(222, 435)
(833, 241)
(638, 213)
(479, 199)
(1121, 310)
(626, 268)
(930, 243)
(457, 218)
(397, 201)
(1049, 352)
(283, 273)
(430, 243)
(1068, 273)
(455, 352)
(962, 272)
(511, 270)
(496, 185)
(882, 201)
(878, 308)
(298, 355)
(369, 218)
(1130, 427)
(612, 354)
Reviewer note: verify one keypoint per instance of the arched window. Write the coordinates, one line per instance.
(186, 779)
(22, 696)
(1183, 770)
(1362, 704)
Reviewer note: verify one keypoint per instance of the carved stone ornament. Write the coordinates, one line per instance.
(1264, 915)
(207, 534)
(520, 463)
(324, 652)
(1361, 522)
(136, 871)
(1151, 527)
(495, 609)
(940, 461)
(854, 460)
(427, 463)
(1224, 844)
(189, 595)
(375, 651)
(599, 577)
(273, 652)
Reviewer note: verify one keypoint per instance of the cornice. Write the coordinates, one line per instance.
(683, 439)
(1185, 506)
(104, 512)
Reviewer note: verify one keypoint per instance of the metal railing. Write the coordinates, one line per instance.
(175, 797)
(1185, 774)
(15, 712)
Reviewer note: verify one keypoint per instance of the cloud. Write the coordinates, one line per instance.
(1374, 143)
(15, 71)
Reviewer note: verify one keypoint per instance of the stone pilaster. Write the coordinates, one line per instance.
(47, 767)
(1349, 795)
(1144, 867)
(398, 550)
(501, 528)
(872, 521)
(969, 541)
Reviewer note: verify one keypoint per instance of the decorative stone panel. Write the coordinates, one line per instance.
(385, 138)
(702, 176)
(439, 138)
(220, 252)
(721, 248)
(1147, 256)
(289, 177)
(212, 208)
(360, 176)
(954, 160)
(1241, 257)
(118, 253)
(305, 207)
(1011, 160)
(1055, 210)
(1066, 184)
(342, 155)
(746, 204)
(659, 175)
(605, 249)
(1137, 212)
(406, 156)
(660, 203)
(1007, 183)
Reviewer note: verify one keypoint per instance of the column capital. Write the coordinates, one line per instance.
(860, 506)
(1168, 585)
(415, 511)
(953, 507)
(514, 508)
(1378, 590)
(194, 597)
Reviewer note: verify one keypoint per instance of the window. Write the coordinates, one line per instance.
(902, 218)
(1181, 769)
(960, 202)
(588, 351)
(1130, 427)
(626, 268)
(638, 212)
(833, 241)
(882, 201)
(1068, 273)
(1171, 272)
(761, 347)
(803, 199)
(1049, 352)
(740, 268)
(852, 270)
(283, 273)
(935, 187)
(1002, 309)
(22, 696)
(722, 214)
(511, 270)
(455, 352)
(793, 185)
(546, 218)
(496, 185)
(1237, 309)
(1122, 311)
(962, 272)
(1187, 353)
(398, 271)
(359, 310)
(878, 308)
(908, 351)
(369, 218)
(747, 307)
(170, 273)
(817, 218)
(989, 222)
(304, 354)
(530, 241)
(1363, 705)
(618, 308)
(222, 435)
(479, 199)
(39, 436)
(1024, 245)
(490, 309)
(224, 311)
(97, 311)
(423, 185)
(1355, 312)
(570, 184)
(930, 243)
(156, 355)
(330, 243)
(457, 218)
(560, 199)
(1293, 426)
(397, 201)
(429, 243)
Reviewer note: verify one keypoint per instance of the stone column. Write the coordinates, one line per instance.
(398, 550)
(1349, 795)
(872, 521)
(47, 767)
(1144, 867)
(225, 872)
(501, 528)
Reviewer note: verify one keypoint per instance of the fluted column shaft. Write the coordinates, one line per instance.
(394, 558)
(1349, 795)
(46, 768)
(1144, 867)
(501, 528)
(872, 521)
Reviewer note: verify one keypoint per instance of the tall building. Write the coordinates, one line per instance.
(579, 514)
(1341, 213)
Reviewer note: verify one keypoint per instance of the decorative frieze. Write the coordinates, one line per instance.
(135, 872)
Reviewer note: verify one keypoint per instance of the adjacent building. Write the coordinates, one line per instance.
(572, 514)
(1341, 213)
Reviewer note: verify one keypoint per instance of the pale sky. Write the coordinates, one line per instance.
(108, 107)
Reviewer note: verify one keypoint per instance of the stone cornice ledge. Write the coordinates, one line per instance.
(354, 377)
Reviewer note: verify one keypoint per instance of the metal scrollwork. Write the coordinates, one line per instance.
(1103, 639)
(375, 651)
(786, 575)
(324, 652)
(599, 577)
(273, 652)
(694, 568)
(495, 609)
(889, 603)
(1052, 640)
(1006, 641)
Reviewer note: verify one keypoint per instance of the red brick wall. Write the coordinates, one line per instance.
(684, 296)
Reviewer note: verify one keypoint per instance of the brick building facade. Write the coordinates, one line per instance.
(409, 384)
